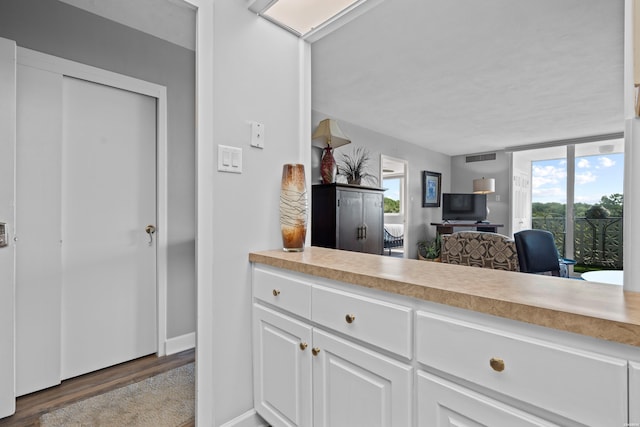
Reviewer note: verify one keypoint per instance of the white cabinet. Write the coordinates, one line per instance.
(305, 375)
(282, 368)
(442, 403)
(355, 386)
(581, 386)
(634, 394)
(374, 359)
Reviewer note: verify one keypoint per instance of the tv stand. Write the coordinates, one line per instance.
(447, 227)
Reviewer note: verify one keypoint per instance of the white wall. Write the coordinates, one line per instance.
(257, 76)
(420, 159)
(463, 174)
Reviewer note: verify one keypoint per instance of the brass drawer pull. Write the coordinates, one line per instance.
(276, 292)
(315, 351)
(497, 364)
(350, 318)
(303, 346)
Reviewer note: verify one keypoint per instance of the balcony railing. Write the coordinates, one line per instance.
(597, 242)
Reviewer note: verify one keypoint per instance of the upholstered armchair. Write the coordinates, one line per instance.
(480, 249)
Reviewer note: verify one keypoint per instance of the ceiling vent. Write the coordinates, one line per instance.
(481, 157)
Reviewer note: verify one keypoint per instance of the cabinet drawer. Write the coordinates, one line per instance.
(444, 404)
(585, 387)
(282, 291)
(376, 322)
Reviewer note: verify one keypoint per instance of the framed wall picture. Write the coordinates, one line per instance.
(431, 182)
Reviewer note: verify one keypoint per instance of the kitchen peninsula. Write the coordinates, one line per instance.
(338, 332)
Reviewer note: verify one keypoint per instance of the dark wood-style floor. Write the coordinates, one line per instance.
(31, 407)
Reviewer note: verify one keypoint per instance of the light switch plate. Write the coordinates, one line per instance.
(257, 135)
(229, 159)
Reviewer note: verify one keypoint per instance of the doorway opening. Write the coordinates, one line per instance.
(394, 174)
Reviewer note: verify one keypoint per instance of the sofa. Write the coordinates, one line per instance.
(480, 249)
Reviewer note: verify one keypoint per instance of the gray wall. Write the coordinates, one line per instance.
(59, 29)
(419, 159)
(463, 174)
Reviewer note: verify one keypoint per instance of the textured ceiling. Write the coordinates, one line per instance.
(458, 77)
(470, 76)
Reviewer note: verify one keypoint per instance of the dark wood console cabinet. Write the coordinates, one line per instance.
(349, 217)
(449, 227)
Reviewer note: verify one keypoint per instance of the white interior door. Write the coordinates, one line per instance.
(7, 214)
(39, 140)
(521, 197)
(108, 198)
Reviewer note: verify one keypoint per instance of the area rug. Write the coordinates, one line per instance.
(165, 400)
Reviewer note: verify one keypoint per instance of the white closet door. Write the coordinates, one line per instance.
(39, 132)
(7, 213)
(108, 198)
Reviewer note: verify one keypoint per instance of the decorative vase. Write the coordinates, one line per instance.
(293, 208)
(354, 180)
(328, 166)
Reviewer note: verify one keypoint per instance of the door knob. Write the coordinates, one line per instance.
(150, 229)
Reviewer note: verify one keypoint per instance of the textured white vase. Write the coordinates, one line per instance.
(293, 207)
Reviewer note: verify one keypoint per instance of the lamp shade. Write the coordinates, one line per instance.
(484, 185)
(328, 133)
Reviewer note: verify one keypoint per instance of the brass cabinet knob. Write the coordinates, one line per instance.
(497, 364)
(315, 351)
(350, 318)
(303, 346)
(276, 292)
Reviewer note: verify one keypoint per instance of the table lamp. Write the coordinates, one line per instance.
(484, 186)
(328, 136)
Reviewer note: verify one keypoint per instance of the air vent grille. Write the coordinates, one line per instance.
(481, 157)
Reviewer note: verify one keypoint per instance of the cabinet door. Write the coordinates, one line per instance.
(444, 404)
(349, 220)
(354, 386)
(282, 368)
(372, 218)
(634, 394)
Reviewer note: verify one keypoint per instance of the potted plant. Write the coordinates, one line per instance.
(429, 250)
(354, 167)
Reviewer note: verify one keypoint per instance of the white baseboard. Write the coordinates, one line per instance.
(181, 343)
(248, 419)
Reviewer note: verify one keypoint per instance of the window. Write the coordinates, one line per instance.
(577, 194)
(393, 200)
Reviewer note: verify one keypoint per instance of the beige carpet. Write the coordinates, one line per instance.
(166, 400)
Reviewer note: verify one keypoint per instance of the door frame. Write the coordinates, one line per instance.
(77, 70)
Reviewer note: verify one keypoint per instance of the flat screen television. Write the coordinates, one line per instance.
(464, 207)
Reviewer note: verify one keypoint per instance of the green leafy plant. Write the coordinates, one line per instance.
(597, 212)
(430, 249)
(354, 167)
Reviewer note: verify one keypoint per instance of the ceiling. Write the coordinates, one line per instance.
(470, 76)
(170, 20)
(457, 77)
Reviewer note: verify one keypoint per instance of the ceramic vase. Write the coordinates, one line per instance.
(328, 166)
(293, 207)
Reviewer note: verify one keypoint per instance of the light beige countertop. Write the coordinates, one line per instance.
(587, 308)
